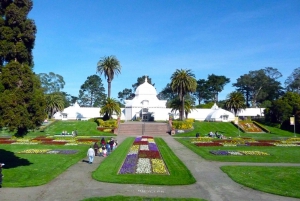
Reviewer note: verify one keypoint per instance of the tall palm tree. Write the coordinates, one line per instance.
(183, 82)
(54, 103)
(177, 105)
(109, 66)
(236, 102)
(110, 106)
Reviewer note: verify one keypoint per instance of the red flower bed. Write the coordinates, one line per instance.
(222, 141)
(7, 141)
(148, 154)
(147, 137)
(259, 144)
(140, 143)
(54, 143)
(208, 144)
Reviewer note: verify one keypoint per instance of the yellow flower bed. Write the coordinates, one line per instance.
(134, 148)
(34, 151)
(158, 166)
(254, 153)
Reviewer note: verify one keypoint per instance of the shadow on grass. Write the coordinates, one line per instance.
(11, 160)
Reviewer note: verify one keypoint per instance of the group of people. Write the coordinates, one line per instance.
(74, 133)
(104, 149)
(216, 134)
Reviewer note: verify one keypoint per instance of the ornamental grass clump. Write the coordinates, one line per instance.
(143, 158)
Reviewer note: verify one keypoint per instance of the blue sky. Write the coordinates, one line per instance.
(155, 38)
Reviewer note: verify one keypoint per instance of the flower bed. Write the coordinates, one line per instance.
(47, 151)
(239, 153)
(143, 158)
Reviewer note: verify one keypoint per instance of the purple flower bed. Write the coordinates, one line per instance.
(219, 152)
(129, 164)
(152, 147)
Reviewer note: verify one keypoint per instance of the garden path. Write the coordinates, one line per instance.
(212, 184)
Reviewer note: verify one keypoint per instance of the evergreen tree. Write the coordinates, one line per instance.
(22, 102)
(17, 33)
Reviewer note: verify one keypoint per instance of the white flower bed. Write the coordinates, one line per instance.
(144, 147)
(143, 166)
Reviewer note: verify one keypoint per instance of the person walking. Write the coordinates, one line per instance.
(91, 154)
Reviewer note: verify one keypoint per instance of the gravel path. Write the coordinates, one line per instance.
(212, 184)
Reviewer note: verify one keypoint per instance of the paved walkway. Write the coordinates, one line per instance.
(212, 184)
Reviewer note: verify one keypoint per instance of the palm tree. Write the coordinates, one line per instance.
(183, 82)
(110, 106)
(236, 102)
(176, 104)
(54, 103)
(109, 66)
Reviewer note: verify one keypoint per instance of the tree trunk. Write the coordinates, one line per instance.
(108, 88)
(182, 109)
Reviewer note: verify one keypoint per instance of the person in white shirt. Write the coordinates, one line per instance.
(91, 155)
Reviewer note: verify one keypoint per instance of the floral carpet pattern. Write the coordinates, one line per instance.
(239, 153)
(49, 140)
(47, 151)
(143, 158)
(208, 141)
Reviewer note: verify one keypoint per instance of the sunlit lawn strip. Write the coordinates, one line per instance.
(178, 173)
(276, 180)
(37, 169)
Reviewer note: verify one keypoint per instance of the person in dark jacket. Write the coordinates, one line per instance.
(1, 175)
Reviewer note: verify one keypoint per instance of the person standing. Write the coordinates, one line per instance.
(1, 175)
(91, 154)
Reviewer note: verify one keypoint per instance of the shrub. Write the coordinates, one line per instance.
(182, 125)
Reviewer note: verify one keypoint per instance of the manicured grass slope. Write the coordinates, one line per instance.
(22, 170)
(229, 130)
(276, 180)
(179, 174)
(277, 154)
(84, 128)
(136, 198)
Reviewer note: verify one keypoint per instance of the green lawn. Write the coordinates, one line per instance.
(84, 128)
(229, 130)
(276, 180)
(22, 170)
(277, 154)
(136, 198)
(179, 174)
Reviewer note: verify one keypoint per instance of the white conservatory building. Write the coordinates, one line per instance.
(147, 107)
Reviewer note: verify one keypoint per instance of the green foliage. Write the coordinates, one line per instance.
(109, 66)
(215, 84)
(92, 92)
(110, 107)
(179, 174)
(282, 181)
(183, 82)
(108, 124)
(22, 104)
(206, 105)
(283, 108)
(17, 33)
(236, 102)
(54, 103)
(187, 124)
(51, 83)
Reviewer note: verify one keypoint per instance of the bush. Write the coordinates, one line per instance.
(108, 124)
(182, 124)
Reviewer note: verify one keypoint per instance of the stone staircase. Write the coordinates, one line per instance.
(141, 128)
